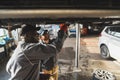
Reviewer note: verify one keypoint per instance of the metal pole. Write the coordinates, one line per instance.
(77, 45)
(9, 30)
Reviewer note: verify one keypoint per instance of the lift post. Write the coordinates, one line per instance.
(77, 44)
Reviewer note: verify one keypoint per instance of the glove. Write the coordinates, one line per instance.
(63, 27)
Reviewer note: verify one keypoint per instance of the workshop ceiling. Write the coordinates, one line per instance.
(59, 4)
(49, 11)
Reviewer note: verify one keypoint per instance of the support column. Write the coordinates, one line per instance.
(77, 45)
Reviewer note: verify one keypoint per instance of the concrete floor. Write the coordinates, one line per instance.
(90, 59)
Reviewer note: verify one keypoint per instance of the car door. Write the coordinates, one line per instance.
(114, 43)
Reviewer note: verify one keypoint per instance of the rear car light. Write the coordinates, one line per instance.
(100, 35)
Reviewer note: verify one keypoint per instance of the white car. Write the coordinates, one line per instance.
(109, 42)
(72, 32)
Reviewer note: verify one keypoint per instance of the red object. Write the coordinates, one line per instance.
(63, 27)
(100, 35)
(84, 31)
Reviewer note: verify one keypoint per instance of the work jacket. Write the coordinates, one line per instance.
(24, 64)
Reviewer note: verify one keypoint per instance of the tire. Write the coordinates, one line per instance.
(104, 52)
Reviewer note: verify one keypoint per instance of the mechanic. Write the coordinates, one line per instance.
(24, 64)
(49, 67)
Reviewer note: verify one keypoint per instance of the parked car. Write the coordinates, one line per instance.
(109, 42)
(72, 32)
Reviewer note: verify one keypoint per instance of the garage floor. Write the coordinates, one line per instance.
(90, 59)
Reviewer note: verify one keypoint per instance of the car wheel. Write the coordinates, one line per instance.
(103, 75)
(104, 52)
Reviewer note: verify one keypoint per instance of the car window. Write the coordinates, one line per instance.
(114, 31)
(117, 32)
(110, 30)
